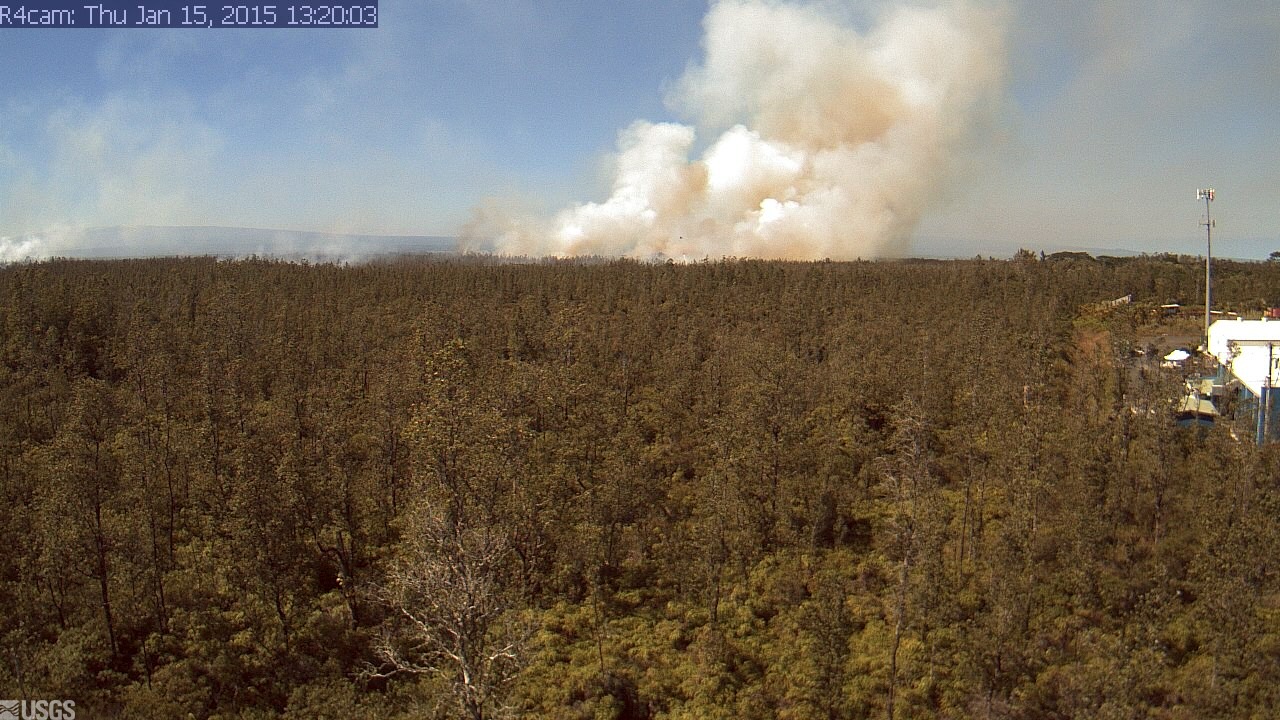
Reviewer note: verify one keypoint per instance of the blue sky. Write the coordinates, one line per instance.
(1115, 113)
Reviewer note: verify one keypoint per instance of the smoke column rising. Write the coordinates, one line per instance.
(828, 142)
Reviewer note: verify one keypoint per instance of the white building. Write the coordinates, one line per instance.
(1250, 351)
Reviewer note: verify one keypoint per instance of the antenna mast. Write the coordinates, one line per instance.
(1206, 194)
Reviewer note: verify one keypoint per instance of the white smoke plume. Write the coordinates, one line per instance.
(831, 142)
(13, 249)
(53, 241)
(224, 242)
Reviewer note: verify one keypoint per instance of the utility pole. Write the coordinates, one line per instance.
(1265, 405)
(1206, 194)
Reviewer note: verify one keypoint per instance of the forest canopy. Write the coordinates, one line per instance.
(735, 489)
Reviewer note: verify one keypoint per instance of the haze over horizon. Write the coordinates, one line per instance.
(1097, 125)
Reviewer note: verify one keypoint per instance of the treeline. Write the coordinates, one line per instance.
(622, 490)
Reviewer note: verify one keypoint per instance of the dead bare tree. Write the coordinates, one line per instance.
(450, 615)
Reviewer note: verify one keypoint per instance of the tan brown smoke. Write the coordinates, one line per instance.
(829, 142)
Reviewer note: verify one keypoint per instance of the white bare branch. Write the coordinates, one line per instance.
(451, 617)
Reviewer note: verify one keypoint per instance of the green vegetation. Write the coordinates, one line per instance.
(620, 490)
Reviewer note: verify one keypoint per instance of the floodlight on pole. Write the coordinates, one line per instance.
(1206, 194)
